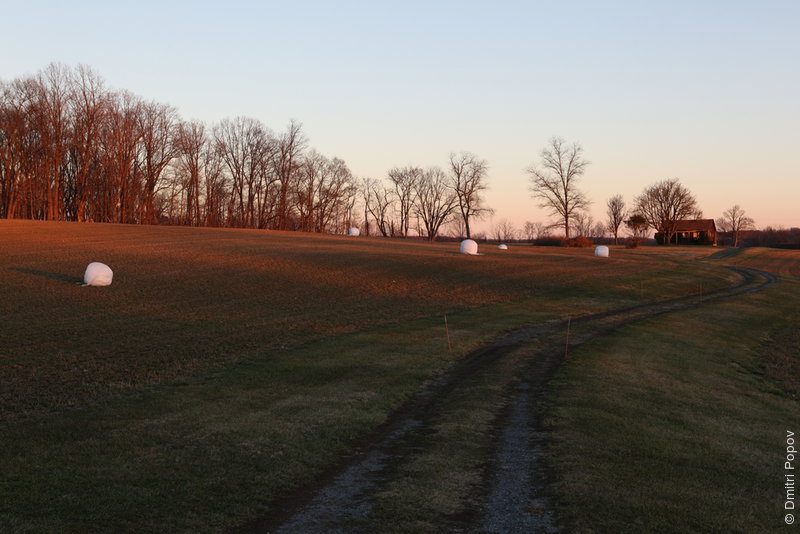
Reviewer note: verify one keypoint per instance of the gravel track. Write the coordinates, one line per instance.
(514, 501)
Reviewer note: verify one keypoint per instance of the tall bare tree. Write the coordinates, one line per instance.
(555, 183)
(54, 87)
(158, 123)
(665, 203)
(71, 149)
(435, 200)
(217, 187)
(405, 189)
(468, 176)
(735, 220)
(324, 194)
(286, 162)
(89, 105)
(616, 212)
(15, 150)
(190, 144)
(379, 203)
(120, 137)
(245, 146)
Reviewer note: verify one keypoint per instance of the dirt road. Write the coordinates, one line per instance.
(514, 500)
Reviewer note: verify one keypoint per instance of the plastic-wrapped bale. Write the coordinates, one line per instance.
(98, 274)
(601, 251)
(468, 246)
(353, 231)
(502, 246)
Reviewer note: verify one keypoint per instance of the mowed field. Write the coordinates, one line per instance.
(225, 368)
(186, 300)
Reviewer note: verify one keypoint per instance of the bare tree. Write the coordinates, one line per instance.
(468, 176)
(286, 162)
(405, 189)
(505, 230)
(120, 138)
(583, 225)
(71, 149)
(555, 184)
(346, 204)
(217, 188)
(245, 146)
(534, 230)
(335, 197)
(363, 186)
(158, 124)
(308, 188)
(379, 202)
(15, 154)
(88, 107)
(455, 228)
(616, 212)
(54, 87)
(664, 204)
(435, 200)
(190, 144)
(734, 220)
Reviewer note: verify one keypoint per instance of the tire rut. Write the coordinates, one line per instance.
(342, 499)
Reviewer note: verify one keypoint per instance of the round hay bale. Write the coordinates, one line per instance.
(353, 231)
(468, 246)
(601, 251)
(98, 274)
(502, 246)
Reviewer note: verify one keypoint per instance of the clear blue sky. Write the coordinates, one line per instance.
(705, 91)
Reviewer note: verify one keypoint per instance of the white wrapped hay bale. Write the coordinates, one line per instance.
(601, 251)
(353, 231)
(502, 246)
(98, 274)
(468, 246)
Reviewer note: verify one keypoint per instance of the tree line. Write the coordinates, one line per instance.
(660, 207)
(72, 149)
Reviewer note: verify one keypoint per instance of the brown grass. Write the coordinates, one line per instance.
(185, 300)
(673, 425)
(249, 361)
(777, 261)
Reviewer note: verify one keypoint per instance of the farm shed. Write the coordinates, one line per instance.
(695, 232)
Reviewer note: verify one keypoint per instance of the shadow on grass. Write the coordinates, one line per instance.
(53, 276)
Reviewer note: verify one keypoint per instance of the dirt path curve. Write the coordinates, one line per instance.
(342, 499)
(516, 502)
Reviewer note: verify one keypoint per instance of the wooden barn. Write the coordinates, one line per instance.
(695, 232)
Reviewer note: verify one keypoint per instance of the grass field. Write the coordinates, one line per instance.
(223, 368)
(680, 423)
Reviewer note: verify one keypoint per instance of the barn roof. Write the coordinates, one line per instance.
(698, 225)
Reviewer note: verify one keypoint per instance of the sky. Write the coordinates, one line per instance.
(704, 91)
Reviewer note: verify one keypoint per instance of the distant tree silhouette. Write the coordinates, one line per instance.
(468, 176)
(555, 182)
(665, 203)
(736, 221)
(616, 213)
